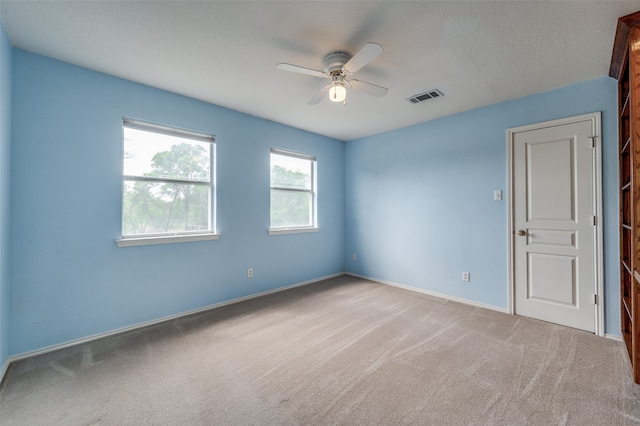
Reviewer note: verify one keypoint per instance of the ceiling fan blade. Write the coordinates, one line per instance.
(301, 70)
(368, 88)
(322, 93)
(368, 53)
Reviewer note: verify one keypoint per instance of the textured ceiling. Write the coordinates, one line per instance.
(477, 53)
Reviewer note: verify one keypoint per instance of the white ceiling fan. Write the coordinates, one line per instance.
(337, 66)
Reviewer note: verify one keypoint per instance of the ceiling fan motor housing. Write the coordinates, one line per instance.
(334, 62)
(338, 66)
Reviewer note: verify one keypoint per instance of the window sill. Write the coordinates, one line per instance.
(146, 241)
(282, 231)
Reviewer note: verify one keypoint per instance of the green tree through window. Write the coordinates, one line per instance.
(292, 190)
(166, 184)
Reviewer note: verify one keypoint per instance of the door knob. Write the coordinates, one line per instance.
(522, 233)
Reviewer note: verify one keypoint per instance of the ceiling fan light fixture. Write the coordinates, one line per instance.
(337, 92)
(338, 65)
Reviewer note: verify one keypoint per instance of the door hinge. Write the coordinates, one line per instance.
(593, 141)
(595, 221)
(595, 299)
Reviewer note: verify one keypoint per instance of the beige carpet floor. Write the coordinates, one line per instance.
(342, 351)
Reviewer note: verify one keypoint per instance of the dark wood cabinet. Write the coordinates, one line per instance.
(625, 67)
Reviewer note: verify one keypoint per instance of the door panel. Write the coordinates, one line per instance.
(553, 208)
(552, 278)
(550, 195)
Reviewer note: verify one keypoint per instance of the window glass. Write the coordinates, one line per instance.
(290, 208)
(287, 172)
(167, 181)
(164, 156)
(293, 193)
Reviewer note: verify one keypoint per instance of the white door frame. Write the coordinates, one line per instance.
(594, 118)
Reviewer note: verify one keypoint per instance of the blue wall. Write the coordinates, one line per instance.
(415, 204)
(69, 280)
(5, 152)
(419, 200)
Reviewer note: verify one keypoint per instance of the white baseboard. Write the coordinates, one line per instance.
(613, 337)
(431, 293)
(455, 299)
(4, 368)
(156, 321)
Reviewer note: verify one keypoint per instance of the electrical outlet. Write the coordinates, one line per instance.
(250, 273)
(466, 276)
(354, 257)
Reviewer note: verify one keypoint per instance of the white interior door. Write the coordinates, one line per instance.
(554, 223)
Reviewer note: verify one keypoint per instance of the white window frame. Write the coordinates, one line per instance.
(172, 237)
(313, 191)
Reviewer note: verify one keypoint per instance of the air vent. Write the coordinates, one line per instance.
(435, 93)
